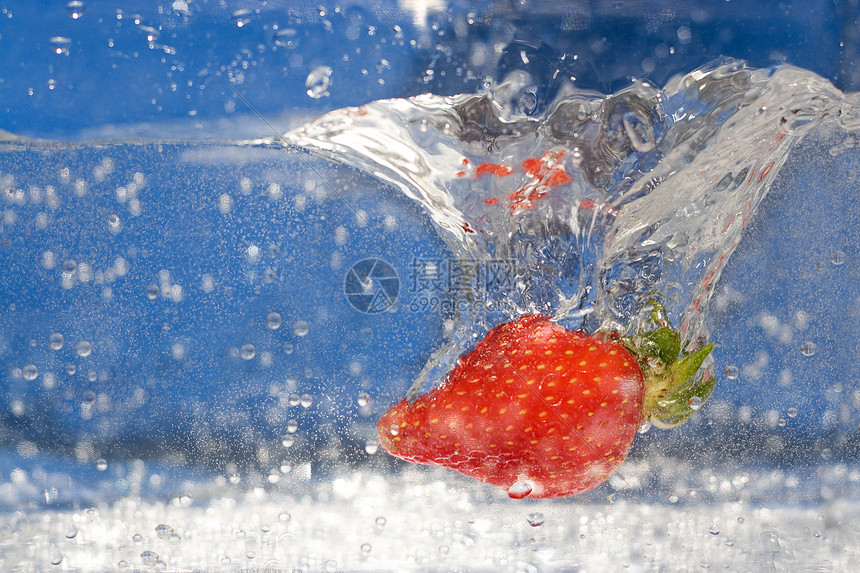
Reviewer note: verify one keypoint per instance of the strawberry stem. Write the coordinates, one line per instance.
(674, 390)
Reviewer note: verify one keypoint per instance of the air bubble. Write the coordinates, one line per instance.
(381, 521)
(288, 348)
(318, 82)
(84, 349)
(792, 412)
(284, 517)
(287, 38)
(644, 427)
(307, 400)
(152, 292)
(732, 372)
(366, 548)
(241, 17)
(394, 429)
(75, 9)
(114, 224)
(101, 464)
(837, 257)
(714, 530)
(294, 399)
(60, 45)
(674, 498)
(248, 352)
(30, 372)
(695, 403)
(301, 328)
(273, 321)
(56, 556)
(520, 489)
(808, 348)
(292, 426)
(163, 531)
(185, 500)
(371, 446)
(149, 558)
(535, 519)
(363, 399)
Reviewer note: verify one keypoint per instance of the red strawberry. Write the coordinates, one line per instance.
(536, 409)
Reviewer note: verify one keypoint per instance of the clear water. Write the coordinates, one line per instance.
(191, 380)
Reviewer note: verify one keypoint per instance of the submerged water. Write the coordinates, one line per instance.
(588, 208)
(192, 385)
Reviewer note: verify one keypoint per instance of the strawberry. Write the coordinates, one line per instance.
(542, 411)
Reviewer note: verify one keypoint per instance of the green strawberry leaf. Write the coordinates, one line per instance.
(683, 403)
(686, 367)
(663, 343)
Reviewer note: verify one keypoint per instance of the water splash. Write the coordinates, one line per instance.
(604, 203)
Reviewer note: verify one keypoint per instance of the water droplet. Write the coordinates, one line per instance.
(837, 257)
(535, 519)
(714, 530)
(394, 429)
(284, 517)
(363, 398)
(371, 446)
(101, 464)
(287, 441)
(307, 400)
(292, 426)
(234, 478)
(56, 341)
(288, 348)
(826, 453)
(185, 500)
(301, 328)
(88, 398)
(273, 321)
(69, 267)
(30, 372)
(331, 566)
(75, 9)
(60, 45)
(366, 548)
(792, 412)
(71, 369)
(695, 403)
(674, 498)
(732, 372)
(740, 519)
(163, 531)
(318, 82)
(381, 521)
(639, 131)
(137, 538)
(808, 348)
(285, 467)
(149, 558)
(84, 349)
(781, 422)
(520, 489)
(241, 17)
(644, 427)
(444, 549)
(248, 352)
(294, 399)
